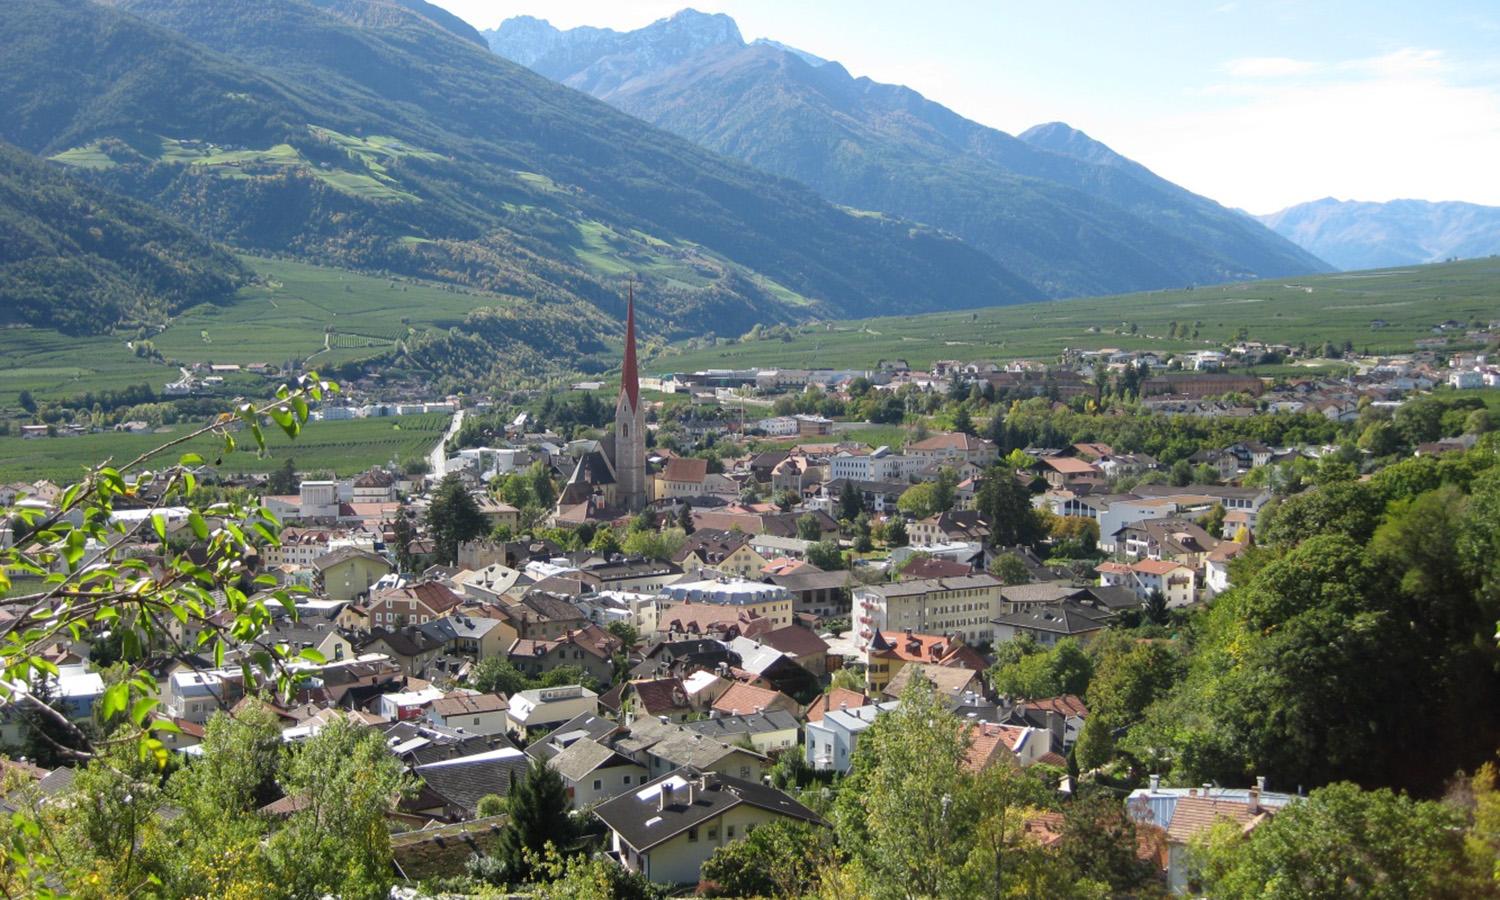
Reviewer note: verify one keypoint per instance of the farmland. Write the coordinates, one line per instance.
(1382, 311)
(301, 312)
(342, 447)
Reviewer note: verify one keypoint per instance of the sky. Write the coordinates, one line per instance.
(1259, 104)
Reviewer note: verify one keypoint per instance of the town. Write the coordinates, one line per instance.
(696, 615)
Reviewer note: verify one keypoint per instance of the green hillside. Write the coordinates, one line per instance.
(366, 135)
(1315, 309)
(81, 259)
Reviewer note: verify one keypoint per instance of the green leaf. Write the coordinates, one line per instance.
(200, 527)
(190, 459)
(141, 709)
(114, 700)
(313, 656)
(159, 525)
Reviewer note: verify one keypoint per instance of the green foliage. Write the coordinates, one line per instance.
(785, 858)
(453, 517)
(490, 805)
(1006, 505)
(1098, 842)
(496, 674)
(826, 555)
(1063, 669)
(808, 528)
(537, 807)
(1342, 842)
(1010, 569)
(1129, 675)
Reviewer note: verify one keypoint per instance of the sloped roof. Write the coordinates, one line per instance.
(833, 700)
(794, 640)
(747, 698)
(686, 469)
(583, 756)
(643, 821)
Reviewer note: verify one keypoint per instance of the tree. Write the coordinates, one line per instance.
(1063, 669)
(490, 805)
(403, 534)
(1344, 842)
(538, 809)
(1006, 505)
(1155, 608)
(809, 528)
(895, 532)
(453, 518)
(685, 518)
(784, 858)
(962, 421)
(1098, 841)
(851, 502)
(283, 479)
(1010, 569)
(346, 781)
(496, 675)
(605, 542)
(26, 401)
(826, 555)
(918, 501)
(626, 632)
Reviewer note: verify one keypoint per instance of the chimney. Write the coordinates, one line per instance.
(1253, 801)
(692, 789)
(1155, 783)
(1260, 783)
(665, 796)
(1192, 792)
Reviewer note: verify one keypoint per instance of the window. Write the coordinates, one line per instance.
(745, 772)
(692, 835)
(713, 832)
(598, 784)
(627, 779)
(729, 832)
(476, 720)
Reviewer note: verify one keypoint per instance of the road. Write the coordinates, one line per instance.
(438, 458)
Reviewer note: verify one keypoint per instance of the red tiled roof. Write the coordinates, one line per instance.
(1065, 705)
(747, 698)
(987, 741)
(660, 696)
(835, 698)
(689, 469)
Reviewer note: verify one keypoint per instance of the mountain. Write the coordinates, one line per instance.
(1059, 209)
(371, 134)
(80, 259)
(1355, 235)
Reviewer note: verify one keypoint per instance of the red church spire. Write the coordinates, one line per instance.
(630, 378)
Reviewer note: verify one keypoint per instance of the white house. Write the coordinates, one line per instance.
(830, 741)
(550, 706)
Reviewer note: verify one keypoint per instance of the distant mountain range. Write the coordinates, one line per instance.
(1062, 211)
(384, 136)
(1354, 235)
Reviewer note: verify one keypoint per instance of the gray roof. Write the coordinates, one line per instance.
(1039, 592)
(641, 819)
(583, 756)
(676, 744)
(1064, 618)
(729, 728)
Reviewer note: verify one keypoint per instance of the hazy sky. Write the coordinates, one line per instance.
(1257, 103)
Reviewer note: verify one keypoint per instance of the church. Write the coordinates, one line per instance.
(611, 480)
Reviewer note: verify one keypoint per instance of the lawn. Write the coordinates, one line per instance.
(1382, 311)
(343, 447)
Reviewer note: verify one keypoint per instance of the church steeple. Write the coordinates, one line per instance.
(630, 378)
(629, 456)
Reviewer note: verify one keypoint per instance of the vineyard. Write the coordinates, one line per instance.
(341, 447)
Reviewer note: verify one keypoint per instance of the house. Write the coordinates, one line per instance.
(489, 583)
(747, 698)
(1216, 567)
(888, 651)
(768, 732)
(590, 648)
(462, 781)
(663, 746)
(962, 606)
(991, 743)
(594, 772)
(1063, 715)
(768, 600)
(801, 645)
(658, 698)
(816, 592)
(1070, 472)
(498, 513)
(348, 572)
(1186, 813)
(412, 647)
(543, 707)
(1177, 582)
(666, 830)
(830, 741)
(1048, 624)
(957, 687)
(411, 605)
(954, 526)
(1177, 540)
(375, 486)
(688, 477)
(470, 712)
(955, 447)
(834, 698)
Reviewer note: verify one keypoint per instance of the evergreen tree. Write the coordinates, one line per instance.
(1156, 608)
(403, 534)
(283, 480)
(538, 808)
(685, 517)
(453, 518)
(851, 504)
(1006, 505)
(962, 421)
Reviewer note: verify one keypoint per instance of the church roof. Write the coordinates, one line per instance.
(630, 378)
